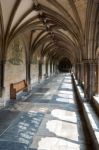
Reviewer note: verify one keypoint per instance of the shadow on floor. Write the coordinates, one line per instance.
(21, 132)
(6, 117)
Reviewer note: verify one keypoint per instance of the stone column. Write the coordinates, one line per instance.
(28, 75)
(89, 79)
(40, 70)
(73, 69)
(79, 73)
(46, 67)
(76, 70)
(2, 65)
(97, 77)
(53, 67)
(86, 74)
(50, 68)
(82, 72)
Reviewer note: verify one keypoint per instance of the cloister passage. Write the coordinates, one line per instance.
(48, 120)
(49, 74)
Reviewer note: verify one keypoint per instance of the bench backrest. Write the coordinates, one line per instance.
(17, 87)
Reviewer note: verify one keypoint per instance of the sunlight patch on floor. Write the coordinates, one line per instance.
(67, 94)
(63, 100)
(64, 115)
(60, 129)
(66, 85)
(53, 143)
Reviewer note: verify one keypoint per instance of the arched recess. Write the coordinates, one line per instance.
(15, 65)
(64, 65)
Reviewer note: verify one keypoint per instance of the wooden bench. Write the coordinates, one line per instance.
(17, 87)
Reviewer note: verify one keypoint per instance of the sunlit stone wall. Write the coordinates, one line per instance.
(15, 67)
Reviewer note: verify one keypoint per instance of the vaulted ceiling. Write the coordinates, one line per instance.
(56, 28)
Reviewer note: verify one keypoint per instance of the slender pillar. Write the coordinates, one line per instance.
(89, 79)
(53, 68)
(76, 71)
(73, 69)
(97, 77)
(79, 73)
(82, 72)
(28, 76)
(50, 68)
(94, 78)
(46, 67)
(86, 73)
(2, 65)
(40, 70)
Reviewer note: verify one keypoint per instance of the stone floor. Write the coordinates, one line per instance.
(47, 120)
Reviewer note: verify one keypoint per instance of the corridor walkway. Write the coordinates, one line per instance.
(48, 120)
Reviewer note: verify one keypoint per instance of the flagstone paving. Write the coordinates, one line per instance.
(48, 120)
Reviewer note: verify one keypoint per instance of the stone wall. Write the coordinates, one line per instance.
(15, 67)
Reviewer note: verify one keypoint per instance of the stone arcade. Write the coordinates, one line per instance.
(49, 54)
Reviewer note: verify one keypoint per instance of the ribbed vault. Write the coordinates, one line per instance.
(53, 28)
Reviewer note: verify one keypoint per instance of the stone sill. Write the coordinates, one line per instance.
(79, 89)
(93, 119)
(96, 98)
(90, 116)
